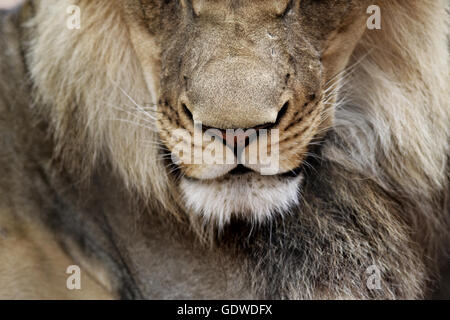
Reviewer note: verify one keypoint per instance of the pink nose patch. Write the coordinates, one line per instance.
(235, 139)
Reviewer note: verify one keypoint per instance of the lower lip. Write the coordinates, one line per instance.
(241, 170)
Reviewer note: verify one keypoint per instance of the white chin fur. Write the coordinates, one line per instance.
(251, 196)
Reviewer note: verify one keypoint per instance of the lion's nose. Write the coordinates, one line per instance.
(235, 93)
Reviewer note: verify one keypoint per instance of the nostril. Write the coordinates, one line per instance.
(282, 112)
(280, 116)
(187, 112)
(288, 76)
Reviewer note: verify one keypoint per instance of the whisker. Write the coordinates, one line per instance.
(134, 123)
(133, 101)
(133, 115)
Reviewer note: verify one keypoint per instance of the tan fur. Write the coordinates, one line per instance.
(34, 266)
(112, 93)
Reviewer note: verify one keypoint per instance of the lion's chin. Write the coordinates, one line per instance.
(250, 196)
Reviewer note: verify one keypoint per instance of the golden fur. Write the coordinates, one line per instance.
(378, 196)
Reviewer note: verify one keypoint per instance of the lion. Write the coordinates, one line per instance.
(93, 93)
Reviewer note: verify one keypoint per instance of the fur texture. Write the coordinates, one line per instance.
(375, 193)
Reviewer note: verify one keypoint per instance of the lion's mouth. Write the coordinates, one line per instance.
(241, 193)
(238, 190)
(241, 173)
(241, 170)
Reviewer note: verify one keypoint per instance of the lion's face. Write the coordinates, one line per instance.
(270, 68)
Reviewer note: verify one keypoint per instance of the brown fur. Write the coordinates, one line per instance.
(81, 159)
